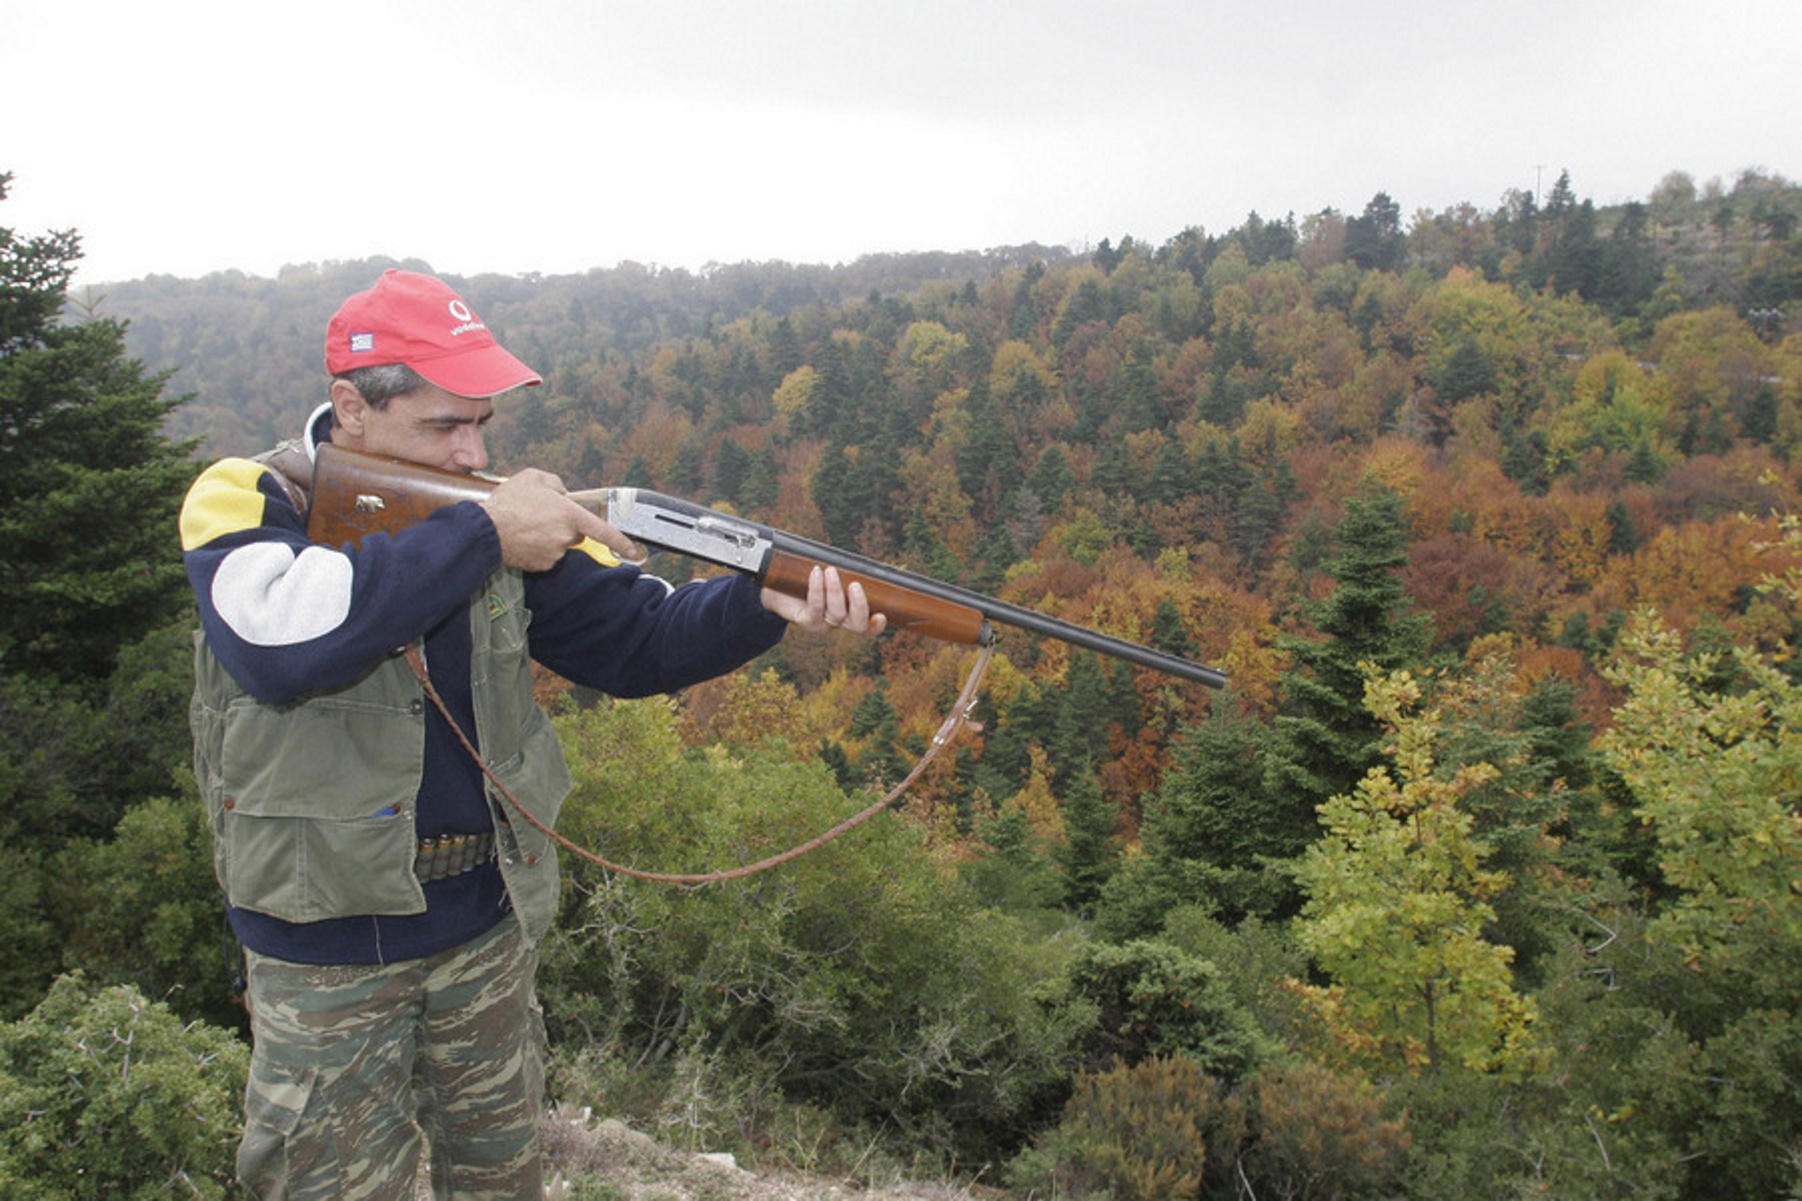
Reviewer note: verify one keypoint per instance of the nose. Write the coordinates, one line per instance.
(469, 452)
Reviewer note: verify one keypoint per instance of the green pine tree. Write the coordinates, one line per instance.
(1326, 738)
(1367, 619)
(1209, 835)
(93, 665)
(1079, 726)
(89, 487)
(1091, 842)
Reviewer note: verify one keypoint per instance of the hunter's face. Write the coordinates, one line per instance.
(428, 426)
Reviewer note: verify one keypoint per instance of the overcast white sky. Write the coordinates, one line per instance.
(191, 136)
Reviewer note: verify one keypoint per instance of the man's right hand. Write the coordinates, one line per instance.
(538, 523)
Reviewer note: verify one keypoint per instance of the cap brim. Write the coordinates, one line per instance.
(479, 373)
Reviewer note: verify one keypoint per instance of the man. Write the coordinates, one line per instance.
(389, 907)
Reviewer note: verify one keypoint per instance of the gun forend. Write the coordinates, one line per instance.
(781, 562)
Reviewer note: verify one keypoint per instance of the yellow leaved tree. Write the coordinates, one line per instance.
(1708, 746)
(1398, 902)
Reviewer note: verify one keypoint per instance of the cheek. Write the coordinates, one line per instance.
(429, 448)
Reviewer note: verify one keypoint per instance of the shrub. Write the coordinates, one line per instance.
(1136, 1132)
(1317, 1134)
(144, 909)
(1151, 1000)
(861, 979)
(106, 1094)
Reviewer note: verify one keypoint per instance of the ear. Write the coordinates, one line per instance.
(350, 413)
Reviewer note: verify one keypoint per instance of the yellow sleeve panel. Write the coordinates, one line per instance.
(224, 500)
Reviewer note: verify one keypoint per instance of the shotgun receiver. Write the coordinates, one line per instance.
(356, 494)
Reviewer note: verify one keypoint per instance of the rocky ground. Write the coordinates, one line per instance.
(586, 1151)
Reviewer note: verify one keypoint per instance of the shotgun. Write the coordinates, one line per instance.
(356, 494)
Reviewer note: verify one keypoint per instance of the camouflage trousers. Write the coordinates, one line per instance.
(358, 1072)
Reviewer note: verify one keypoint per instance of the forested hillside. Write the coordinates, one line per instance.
(1480, 879)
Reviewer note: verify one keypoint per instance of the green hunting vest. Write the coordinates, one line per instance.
(311, 804)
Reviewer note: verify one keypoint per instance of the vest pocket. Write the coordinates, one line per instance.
(309, 819)
(305, 869)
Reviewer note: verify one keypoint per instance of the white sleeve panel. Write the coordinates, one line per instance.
(271, 597)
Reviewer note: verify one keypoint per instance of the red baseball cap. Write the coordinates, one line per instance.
(418, 320)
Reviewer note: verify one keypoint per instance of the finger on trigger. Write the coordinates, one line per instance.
(592, 526)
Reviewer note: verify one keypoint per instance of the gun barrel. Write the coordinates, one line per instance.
(1003, 613)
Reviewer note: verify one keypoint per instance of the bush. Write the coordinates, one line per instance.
(104, 1094)
(1136, 1132)
(861, 979)
(1151, 999)
(1163, 1128)
(144, 909)
(1317, 1134)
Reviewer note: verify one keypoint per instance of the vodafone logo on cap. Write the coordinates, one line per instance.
(466, 320)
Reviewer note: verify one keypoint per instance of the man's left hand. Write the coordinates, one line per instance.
(830, 605)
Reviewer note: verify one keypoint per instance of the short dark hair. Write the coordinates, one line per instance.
(383, 382)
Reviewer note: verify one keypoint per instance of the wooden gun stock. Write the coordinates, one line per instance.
(355, 495)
